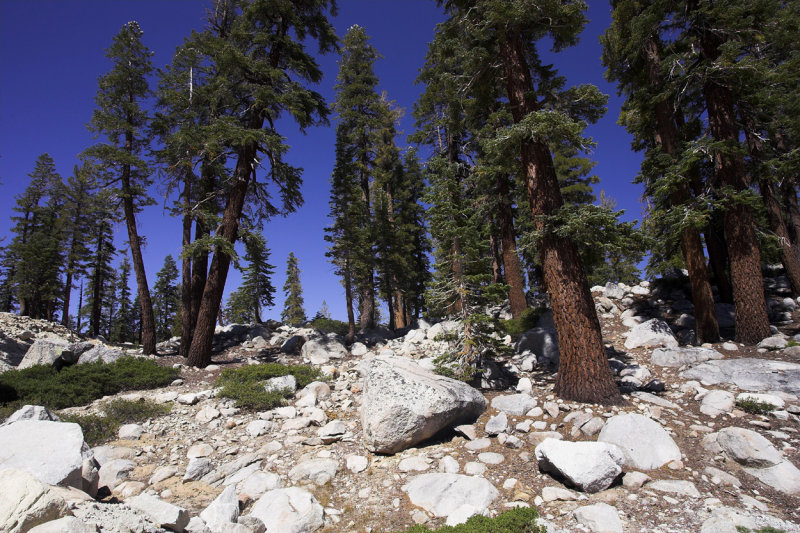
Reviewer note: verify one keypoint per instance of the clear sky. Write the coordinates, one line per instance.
(52, 52)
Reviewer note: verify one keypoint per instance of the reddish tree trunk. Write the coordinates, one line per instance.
(512, 270)
(208, 312)
(186, 268)
(790, 260)
(752, 322)
(497, 260)
(691, 246)
(584, 373)
(348, 296)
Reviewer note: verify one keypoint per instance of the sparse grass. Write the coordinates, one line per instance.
(99, 429)
(246, 384)
(330, 325)
(80, 384)
(768, 529)
(791, 343)
(520, 520)
(517, 326)
(755, 407)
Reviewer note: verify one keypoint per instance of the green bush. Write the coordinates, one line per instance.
(330, 325)
(520, 520)
(767, 529)
(100, 429)
(518, 326)
(81, 384)
(755, 407)
(246, 384)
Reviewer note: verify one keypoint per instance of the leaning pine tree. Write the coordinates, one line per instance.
(293, 312)
(261, 70)
(122, 120)
(505, 33)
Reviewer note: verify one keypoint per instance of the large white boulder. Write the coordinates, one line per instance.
(402, 404)
(25, 502)
(717, 402)
(43, 352)
(52, 452)
(748, 447)
(444, 495)
(588, 466)
(645, 444)
(290, 510)
(321, 350)
(654, 332)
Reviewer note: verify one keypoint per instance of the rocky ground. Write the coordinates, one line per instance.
(679, 456)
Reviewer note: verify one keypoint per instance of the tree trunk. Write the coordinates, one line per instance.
(148, 321)
(789, 197)
(511, 267)
(497, 259)
(399, 310)
(348, 296)
(718, 259)
(97, 289)
(186, 268)
(668, 138)
(584, 373)
(752, 322)
(80, 312)
(203, 338)
(790, 260)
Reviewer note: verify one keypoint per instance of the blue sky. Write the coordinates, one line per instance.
(52, 52)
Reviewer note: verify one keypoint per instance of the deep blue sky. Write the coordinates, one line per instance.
(52, 52)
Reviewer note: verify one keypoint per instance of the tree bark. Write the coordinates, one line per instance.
(497, 259)
(148, 321)
(789, 258)
(584, 373)
(203, 338)
(186, 267)
(668, 138)
(752, 321)
(511, 266)
(348, 296)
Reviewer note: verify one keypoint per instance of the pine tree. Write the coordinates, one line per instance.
(359, 114)
(262, 68)
(674, 214)
(293, 312)
(34, 256)
(122, 120)
(166, 298)
(78, 222)
(256, 290)
(103, 251)
(503, 38)
(123, 319)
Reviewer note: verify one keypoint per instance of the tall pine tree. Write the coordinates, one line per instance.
(293, 312)
(123, 122)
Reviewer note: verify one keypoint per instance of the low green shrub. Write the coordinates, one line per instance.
(767, 529)
(330, 325)
(520, 520)
(518, 326)
(81, 384)
(99, 429)
(246, 384)
(755, 407)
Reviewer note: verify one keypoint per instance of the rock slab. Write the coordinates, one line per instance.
(403, 404)
(749, 374)
(52, 452)
(587, 466)
(444, 495)
(26, 502)
(290, 510)
(645, 444)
